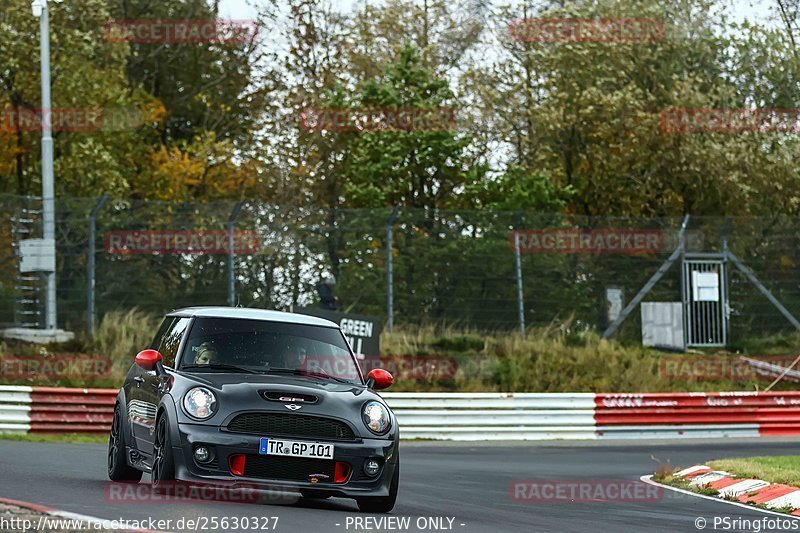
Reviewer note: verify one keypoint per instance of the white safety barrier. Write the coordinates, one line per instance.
(494, 416)
(15, 408)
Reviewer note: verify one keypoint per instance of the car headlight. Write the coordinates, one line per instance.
(376, 417)
(200, 403)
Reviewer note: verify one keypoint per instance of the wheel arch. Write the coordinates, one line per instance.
(127, 430)
(167, 406)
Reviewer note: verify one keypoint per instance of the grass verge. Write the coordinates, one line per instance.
(562, 357)
(780, 469)
(65, 437)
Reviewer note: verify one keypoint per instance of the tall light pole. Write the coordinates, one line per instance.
(39, 8)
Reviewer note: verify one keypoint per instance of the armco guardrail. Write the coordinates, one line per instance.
(494, 416)
(56, 410)
(478, 416)
(717, 414)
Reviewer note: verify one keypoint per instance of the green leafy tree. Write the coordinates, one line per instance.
(422, 166)
(88, 74)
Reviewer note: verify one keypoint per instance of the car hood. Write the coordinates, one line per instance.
(237, 393)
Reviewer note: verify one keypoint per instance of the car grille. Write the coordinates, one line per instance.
(279, 424)
(288, 468)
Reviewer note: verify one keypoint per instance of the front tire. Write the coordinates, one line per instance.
(163, 471)
(118, 468)
(382, 504)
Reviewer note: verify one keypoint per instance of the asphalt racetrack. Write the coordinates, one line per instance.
(460, 487)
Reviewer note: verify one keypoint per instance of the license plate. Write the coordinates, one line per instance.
(292, 448)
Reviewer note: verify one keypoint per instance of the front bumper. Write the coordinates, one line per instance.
(226, 444)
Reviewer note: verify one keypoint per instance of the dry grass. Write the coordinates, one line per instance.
(121, 335)
(557, 358)
(118, 338)
(782, 469)
(550, 359)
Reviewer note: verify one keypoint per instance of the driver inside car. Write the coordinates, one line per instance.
(206, 354)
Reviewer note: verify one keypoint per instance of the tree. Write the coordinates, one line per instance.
(88, 76)
(589, 114)
(425, 166)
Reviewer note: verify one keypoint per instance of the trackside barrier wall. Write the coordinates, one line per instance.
(478, 416)
(56, 410)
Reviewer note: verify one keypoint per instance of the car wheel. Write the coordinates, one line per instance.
(163, 472)
(382, 504)
(118, 468)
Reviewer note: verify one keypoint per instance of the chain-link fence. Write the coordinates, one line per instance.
(447, 267)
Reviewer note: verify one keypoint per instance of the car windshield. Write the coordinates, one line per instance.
(257, 346)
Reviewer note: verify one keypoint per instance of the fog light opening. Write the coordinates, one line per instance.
(372, 467)
(203, 454)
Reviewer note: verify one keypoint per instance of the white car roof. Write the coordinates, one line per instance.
(253, 314)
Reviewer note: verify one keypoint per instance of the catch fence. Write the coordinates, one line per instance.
(466, 269)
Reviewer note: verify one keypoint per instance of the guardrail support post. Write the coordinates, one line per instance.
(90, 266)
(232, 255)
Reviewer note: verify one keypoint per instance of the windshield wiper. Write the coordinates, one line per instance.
(222, 366)
(309, 373)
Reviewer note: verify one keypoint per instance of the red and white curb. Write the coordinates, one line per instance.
(742, 492)
(96, 524)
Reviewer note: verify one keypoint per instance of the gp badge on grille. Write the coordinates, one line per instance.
(291, 399)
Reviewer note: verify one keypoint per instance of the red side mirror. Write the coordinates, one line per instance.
(147, 359)
(380, 378)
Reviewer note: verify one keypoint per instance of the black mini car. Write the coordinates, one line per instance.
(256, 398)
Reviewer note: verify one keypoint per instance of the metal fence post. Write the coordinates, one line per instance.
(520, 300)
(232, 254)
(90, 266)
(390, 271)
